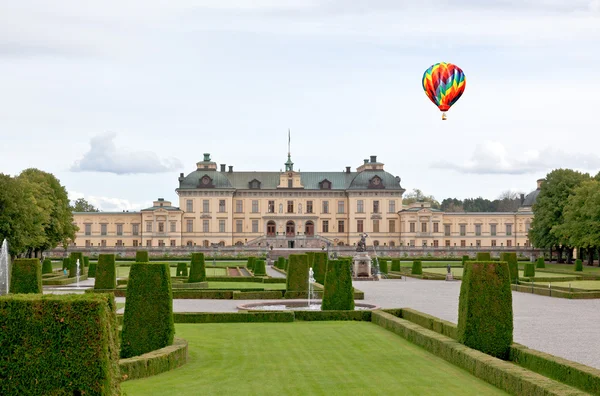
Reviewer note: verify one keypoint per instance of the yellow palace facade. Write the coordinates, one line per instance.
(293, 209)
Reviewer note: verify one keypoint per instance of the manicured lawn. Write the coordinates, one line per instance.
(246, 285)
(316, 358)
(583, 285)
(459, 272)
(123, 272)
(211, 271)
(571, 268)
(428, 264)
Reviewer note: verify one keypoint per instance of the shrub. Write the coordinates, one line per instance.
(464, 259)
(74, 257)
(66, 264)
(287, 262)
(540, 263)
(47, 266)
(280, 262)
(59, 345)
(417, 268)
(311, 259)
(197, 268)
(578, 265)
(396, 265)
(181, 269)
(141, 256)
(148, 319)
(26, 276)
(529, 271)
(513, 265)
(383, 267)
(259, 268)
(320, 267)
(92, 270)
(338, 293)
(483, 256)
(297, 274)
(86, 261)
(106, 272)
(485, 317)
(250, 263)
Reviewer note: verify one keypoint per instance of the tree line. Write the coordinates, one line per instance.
(35, 215)
(567, 214)
(508, 201)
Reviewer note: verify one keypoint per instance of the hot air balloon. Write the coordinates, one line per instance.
(444, 83)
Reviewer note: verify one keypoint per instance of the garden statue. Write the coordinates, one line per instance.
(362, 245)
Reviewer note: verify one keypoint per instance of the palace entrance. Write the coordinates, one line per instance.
(271, 229)
(309, 228)
(290, 229)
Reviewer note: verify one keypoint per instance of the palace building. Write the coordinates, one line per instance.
(293, 209)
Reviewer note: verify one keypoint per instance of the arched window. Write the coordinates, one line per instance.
(341, 244)
(189, 243)
(392, 243)
(375, 243)
(239, 243)
(205, 243)
(222, 243)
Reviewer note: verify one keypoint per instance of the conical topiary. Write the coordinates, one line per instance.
(47, 266)
(320, 267)
(338, 293)
(197, 268)
(259, 268)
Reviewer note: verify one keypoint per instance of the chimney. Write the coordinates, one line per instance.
(347, 169)
(181, 177)
(522, 198)
(539, 183)
(366, 161)
(206, 157)
(373, 158)
(222, 167)
(230, 168)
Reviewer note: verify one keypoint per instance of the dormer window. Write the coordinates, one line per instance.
(325, 185)
(254, 184)
(376, 182)
(206, 182)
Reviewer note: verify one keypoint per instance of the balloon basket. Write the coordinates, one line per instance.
(444, 117)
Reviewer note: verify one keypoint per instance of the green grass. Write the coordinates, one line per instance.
(429, 264)
(459, 272)
(317, 358)
(582, 285)
(568, 268)
(123, 272)
(246, 285)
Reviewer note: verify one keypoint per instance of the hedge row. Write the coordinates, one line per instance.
(504, 375)
(155, 362)
(483, 256)
(58, 344)
(148, 319)
(257, 295)
(61, 280)
(26, 276)
(429, 322)
(338, 293)
(234, 317)
(203, 294)
(362, 315)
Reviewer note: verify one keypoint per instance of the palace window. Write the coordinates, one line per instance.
(221, 225)
(135, 229)
(436, 227)
(309, 206)
(412, 226)
(119, 229)
(254, 225)
(493, 243)
(508, 230)
(239, 226)
(161, 226)
(341, 226)
(88, 229)
(135, 243)
(189, 243)
(255, 206)
(435, 243)
(161, 243)
(103, 243)
(508, 243)
(375, 225)
(290, 183)
(392, 205)
(271, 207)
(447, 229)
(463, 230)
(527, 226)
(477, 229)
(412, 243)
(325, 207)
(375, 206)
(88, 243)
(173, 242)
(221, 206)
(148, 243)
(290, 206)
(423, 227)
(341, 208)
(447, 242)
(392, 225)
(360, 206)
(239, 206)
(102, 229)
(189, 205)
(325, 226)
(205, 226)
(478, 243)
(173, 226)
(205, 206)
(493, 230)
(360, 227)
(148, 226)
(189, 225)
(463, 243)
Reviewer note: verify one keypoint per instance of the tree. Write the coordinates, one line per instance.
(82, 205)
(545, 229)
(417, 195)
(508, 201)
(452, 205)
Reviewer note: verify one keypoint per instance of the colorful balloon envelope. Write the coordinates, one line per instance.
(444, 83)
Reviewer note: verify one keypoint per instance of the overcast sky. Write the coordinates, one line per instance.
(117, 97)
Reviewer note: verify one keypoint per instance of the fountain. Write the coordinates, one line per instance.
(311, 281)
(4, 269)
(77, 273)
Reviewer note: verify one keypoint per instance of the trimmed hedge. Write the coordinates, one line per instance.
(383, 267)
(86, 261)
(513, 265)
(106, 272)
(540, 263)
(280, 262)
(320, 267)
(578, 265)
(483, 256)
(59, 345)
(26, 277)
(417, 268)
(464, 259)
(148, 319)
(47, 266)
(66, 265)
(485, 317)
(311, 259)
(92, 270)
(297, 273)
(250, 263)
(234, 317)
(338, 293)
(363, 315)
(182, 269)
(429, 322)
(259, 268)
(287, 262)
(197, 268)
(257, 295)
(529, 271)
(155, 362)
(73, 268)
(74, 257)
(396, 265)
(141, 256)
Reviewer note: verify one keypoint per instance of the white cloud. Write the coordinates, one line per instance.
(492, 157)
(105, 156)
(108, 204)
